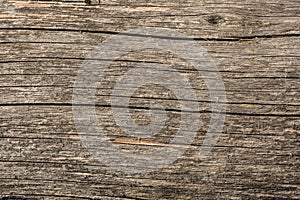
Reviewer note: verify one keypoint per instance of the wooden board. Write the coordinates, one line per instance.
(255, 46)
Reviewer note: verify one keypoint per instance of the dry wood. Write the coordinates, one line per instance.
(256, 47)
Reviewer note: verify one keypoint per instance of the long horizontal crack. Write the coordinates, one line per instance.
(42, 59)
(234, 38)
(25, 196)
(147, 108)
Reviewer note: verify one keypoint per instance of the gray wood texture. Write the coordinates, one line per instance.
(256, 47)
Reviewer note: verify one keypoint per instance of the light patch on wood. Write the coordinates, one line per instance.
(137, 142)
(247, 105)
(30, 4)
(141, 9)
(82, 174)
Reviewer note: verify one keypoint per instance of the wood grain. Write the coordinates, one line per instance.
(256, 47)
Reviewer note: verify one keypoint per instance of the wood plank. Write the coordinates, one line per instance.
(255, 46)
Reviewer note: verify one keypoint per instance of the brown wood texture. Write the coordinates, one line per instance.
(256, 47)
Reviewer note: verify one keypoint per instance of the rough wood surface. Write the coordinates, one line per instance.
(256, 47)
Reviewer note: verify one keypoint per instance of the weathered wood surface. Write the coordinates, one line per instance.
(256, 47)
